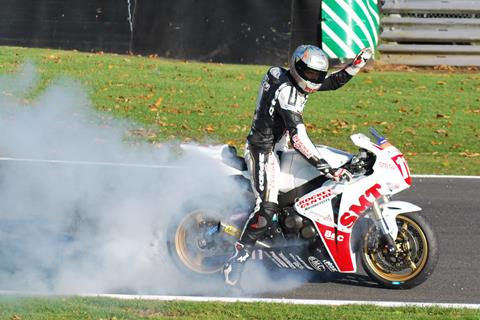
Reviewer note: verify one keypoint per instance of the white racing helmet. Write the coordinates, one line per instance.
(308, 66)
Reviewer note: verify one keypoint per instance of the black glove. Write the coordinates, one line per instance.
(324, 168)
(337, 175)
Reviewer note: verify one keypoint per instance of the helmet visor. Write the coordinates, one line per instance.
(310, 74)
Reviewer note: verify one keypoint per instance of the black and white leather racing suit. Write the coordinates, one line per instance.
(278, 114)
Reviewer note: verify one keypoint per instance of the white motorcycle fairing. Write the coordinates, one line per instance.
(390, 211)
(335, 207)
(390, 175)
(295, 170)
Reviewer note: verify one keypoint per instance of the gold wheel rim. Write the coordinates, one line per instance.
(195, 262)
(415, 268)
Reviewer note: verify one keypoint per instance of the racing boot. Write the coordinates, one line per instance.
(232, 270)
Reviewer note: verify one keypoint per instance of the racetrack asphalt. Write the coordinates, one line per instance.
(452, 206)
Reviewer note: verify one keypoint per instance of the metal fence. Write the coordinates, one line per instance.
(427, 33)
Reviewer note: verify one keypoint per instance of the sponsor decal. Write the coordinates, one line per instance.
(271, 170)
(348, 218)
(298, 144)
(316, 264)
(273, 260)
(329, 235)
(261, 171)
(339, 251)
(329, 265)
(387, 166)
(315, 199)
(280, 261)
(296, 263)
(285, 259)
(303, 263)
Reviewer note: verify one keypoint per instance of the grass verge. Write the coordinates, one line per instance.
(432, 116)
(103, 308)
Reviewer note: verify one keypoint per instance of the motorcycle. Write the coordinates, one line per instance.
(319, 228)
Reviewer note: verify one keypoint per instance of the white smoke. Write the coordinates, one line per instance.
(67, 228)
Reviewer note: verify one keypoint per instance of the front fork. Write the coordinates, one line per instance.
(385, 218)
(385, 231)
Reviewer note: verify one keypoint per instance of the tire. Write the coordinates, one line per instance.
(189, 247)
(413, 263)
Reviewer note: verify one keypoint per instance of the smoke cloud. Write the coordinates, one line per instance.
(71, 228)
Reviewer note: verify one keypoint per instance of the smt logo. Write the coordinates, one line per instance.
(329, 235)
(365, 201)
(316, 264)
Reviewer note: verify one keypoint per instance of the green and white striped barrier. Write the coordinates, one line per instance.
(349, 26)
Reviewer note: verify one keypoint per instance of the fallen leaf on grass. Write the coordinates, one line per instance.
(441, 83)
(210, 128)
(54, 58)
(441, 116)
(161, 123)
(474, 111)
(442, 132)
(158, 103)
(339, 124)
(410, 131)
(468, 154)
(230, 142)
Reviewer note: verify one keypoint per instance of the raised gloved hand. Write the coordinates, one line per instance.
(360, 61)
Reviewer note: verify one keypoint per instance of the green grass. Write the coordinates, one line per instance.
(102, 308)
(432, 116)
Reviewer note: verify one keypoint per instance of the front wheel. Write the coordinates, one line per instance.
(414, 260)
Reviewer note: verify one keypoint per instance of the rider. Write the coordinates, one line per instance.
(280, 103)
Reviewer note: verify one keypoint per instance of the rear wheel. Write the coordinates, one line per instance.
(197, 245)
(414, 260)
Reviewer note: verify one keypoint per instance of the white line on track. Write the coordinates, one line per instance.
(155, 166)
(443, 176)
(286, 301)
(92, 163)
